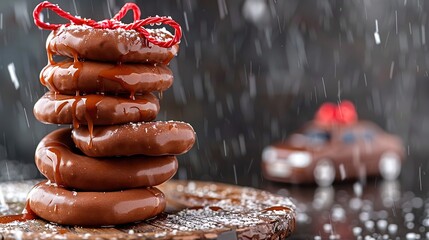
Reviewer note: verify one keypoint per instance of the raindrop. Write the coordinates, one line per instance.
(324, 173)
(342, 171)
(357, 231)
(358, 189)
(412, 236)
(392, 66)
(369, 225)
(364, 216)
(223, 9)
(324, 87)
(185, 16)
(12, 73)
(382, 224)
(26, 118)
(334, 236)
(396, 21)
(410, 225)
(235, 174)
(327, 227)
(75, 7)
(338, 214)
(392, 228)
(355, 203)
(376, 34)
(409, 217)
(417, 202)
(302, 218)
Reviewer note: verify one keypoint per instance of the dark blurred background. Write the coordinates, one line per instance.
(248, 73)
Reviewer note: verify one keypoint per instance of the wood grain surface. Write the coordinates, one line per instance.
(195, 210)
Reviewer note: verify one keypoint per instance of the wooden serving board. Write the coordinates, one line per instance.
(195, 210)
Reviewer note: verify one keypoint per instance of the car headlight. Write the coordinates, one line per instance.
(299, 159)
(269, 155)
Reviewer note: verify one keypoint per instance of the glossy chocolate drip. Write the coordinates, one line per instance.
(57, 204)
(27, 214)
(152, 138)
(109, 78)
(78, 171)
(55, 156)
(127, 77)
(95, 109)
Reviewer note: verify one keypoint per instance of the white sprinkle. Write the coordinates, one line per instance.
(11, 68)
(18, 234)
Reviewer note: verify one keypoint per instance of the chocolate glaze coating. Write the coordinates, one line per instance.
(95, 109)
(59, 161)
(67, 77)
(62, 206)
(147, 138)
(109, 45)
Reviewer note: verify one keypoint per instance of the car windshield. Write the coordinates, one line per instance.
(318, 137)
(368, 135)
(348, 137)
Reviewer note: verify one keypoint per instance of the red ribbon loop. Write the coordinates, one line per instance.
(329, 113)
(114, 23)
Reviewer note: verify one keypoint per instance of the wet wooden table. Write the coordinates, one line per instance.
(195, 210)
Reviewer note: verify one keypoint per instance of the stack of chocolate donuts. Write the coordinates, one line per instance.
(104, 169)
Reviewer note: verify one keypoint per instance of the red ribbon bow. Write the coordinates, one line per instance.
(113, 23)
(343, 113)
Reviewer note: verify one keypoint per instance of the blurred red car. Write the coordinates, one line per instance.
(334, 146)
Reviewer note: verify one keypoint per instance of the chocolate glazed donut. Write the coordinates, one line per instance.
(59, 205)
(95, 77)
(148, 138)
(95, 109)
(58, 160)
(109, 45)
